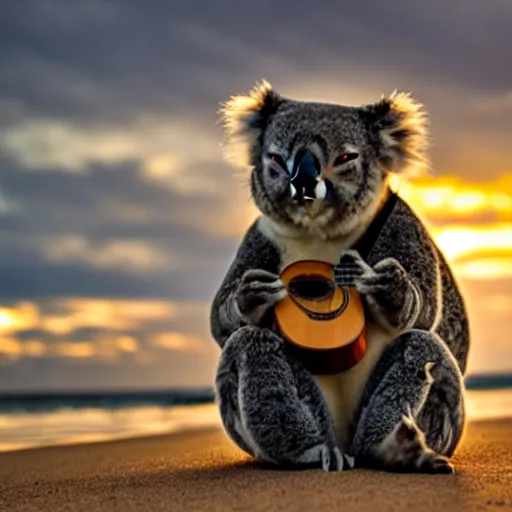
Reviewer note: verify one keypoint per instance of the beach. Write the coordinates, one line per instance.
(202, 470)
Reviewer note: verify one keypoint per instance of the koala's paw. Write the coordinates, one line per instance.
(386, 276)
(435, 464)
(350, 268)
(330, 458)
(390, 292)
(258, 291)
(405, 450)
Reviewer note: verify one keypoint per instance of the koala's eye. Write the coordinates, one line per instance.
(278, 159)
(344, 158)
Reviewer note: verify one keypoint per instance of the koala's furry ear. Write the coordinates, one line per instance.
(245, 118)
(401, 127)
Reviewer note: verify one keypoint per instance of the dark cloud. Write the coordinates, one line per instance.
(31, 334)
(42, 279)
(114, 63)
(105, 61)
(170, 369)
(55, 204)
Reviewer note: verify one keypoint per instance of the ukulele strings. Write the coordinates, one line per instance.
(347, 274)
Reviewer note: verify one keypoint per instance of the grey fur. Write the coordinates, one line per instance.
(270, 405)
(441, 306)
(410, 409)
(255, 252)
(416, 386)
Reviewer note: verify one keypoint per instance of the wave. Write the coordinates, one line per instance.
(112, 399)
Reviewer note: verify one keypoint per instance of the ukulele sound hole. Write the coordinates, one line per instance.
(311, 287)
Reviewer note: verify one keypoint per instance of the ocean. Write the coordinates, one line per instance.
(29, 420)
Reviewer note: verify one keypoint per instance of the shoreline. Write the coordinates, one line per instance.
(202, 470)
(66, 427)
(190, 431)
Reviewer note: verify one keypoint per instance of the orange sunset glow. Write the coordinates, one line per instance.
(471, 222)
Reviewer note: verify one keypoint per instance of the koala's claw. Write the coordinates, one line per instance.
(334, 460)
(435, 464)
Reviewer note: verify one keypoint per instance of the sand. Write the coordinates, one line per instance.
(203, 470)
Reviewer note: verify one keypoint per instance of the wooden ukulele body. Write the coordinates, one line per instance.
(323, 322)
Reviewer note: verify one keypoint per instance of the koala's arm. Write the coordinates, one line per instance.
(401, 282)
(249, 289)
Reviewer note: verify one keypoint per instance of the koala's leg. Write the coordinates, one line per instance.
(412, 411)
(270, 405)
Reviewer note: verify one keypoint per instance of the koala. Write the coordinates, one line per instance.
(401, 408)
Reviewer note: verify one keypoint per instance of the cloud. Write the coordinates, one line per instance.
(72, 146)
(114, 231)
(106, 335)
(131, 255)
(177, 341)
(151, 79)
(80, 349)
(104, 330)
(202, 41)
(169, 369)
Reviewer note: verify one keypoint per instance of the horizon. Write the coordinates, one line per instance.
(473, 381)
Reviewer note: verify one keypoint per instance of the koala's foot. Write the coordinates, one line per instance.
(330, 456)
(270, 405)
(404, 449)
(411, 414)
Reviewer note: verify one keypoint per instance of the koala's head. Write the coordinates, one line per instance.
(350, 151)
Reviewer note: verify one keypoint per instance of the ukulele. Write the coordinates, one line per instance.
(323, 321)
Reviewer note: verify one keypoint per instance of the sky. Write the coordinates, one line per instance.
(118, 215)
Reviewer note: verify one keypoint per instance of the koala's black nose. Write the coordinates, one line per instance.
(306, 166)
(306, 169)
